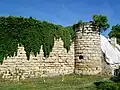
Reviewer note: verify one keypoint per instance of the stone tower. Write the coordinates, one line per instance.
(87, 50)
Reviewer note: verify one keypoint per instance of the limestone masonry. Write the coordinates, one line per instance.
(87, 51)
(84, 57)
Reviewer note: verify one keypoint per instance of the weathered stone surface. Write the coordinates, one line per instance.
(59, 62)
(84, 58)
(89, 61)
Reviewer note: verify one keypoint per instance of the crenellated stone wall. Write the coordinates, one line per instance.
(58, 63)
(84, 57)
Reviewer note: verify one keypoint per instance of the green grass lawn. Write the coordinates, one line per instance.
(69, 82)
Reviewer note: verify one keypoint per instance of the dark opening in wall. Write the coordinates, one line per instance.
(80, 57)
(117, 72)
(96, 68)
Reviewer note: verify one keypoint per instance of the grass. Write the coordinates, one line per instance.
(70, 82)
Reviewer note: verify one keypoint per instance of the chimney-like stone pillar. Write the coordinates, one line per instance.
(87, 50)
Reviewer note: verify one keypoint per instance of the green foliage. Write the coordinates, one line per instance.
(107, 85)
(30, 33)
(101, 21)
(72, 32)
(112, 84)
(80, 23)
(115, 32)
(98, 20)
(115, 78)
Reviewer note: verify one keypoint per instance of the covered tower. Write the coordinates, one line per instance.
(87, 50)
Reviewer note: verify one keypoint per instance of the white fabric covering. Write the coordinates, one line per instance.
(112, 52)
(118, 47)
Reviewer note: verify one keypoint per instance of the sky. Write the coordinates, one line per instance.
(63, 12)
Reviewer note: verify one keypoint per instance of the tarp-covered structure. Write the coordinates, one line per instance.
(111, 51)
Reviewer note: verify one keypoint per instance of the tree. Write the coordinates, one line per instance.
(32, 34)
(115, 32)
(101, 21)
(98, 20)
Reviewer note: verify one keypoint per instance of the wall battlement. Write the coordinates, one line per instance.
(84, 57)
(58, 63)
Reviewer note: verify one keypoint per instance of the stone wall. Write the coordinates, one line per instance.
(58, 63)
(106, 67)
(84, 57)
(87, 50)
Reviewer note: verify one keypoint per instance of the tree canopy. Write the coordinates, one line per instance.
(32, 34)
(115, 32)
(101, 21)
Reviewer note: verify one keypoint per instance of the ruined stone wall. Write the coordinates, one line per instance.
(87, 50)
(106, 67)
(84, 57)
(58, 63)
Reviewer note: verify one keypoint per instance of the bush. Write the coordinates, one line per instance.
(107, 85)
(32, 34)
(115, 79)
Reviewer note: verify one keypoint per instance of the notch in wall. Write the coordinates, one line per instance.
(81, 57)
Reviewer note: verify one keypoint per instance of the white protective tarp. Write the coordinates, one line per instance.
(112, 53)
(118, 47)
